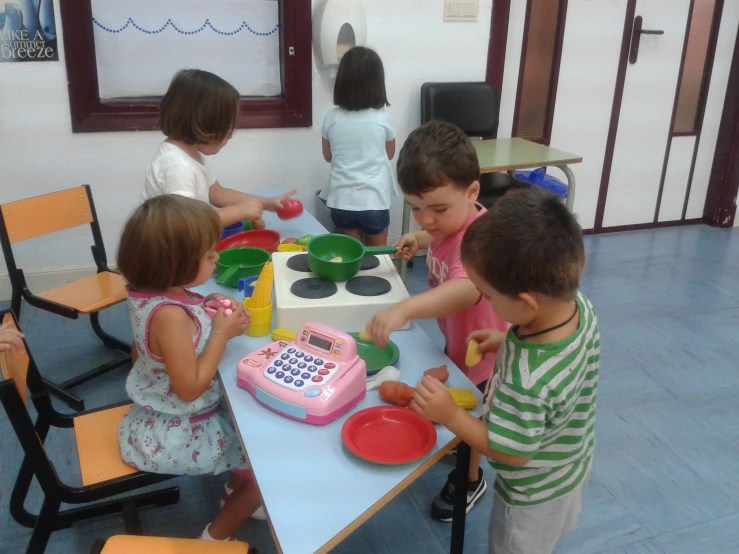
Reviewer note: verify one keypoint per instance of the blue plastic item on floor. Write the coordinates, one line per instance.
(247, 285)
(540, 178)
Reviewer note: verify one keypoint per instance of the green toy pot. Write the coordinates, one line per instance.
(323, 249)
(239, 263)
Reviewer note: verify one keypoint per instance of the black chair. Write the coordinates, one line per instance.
(473, 107)
(104, 474)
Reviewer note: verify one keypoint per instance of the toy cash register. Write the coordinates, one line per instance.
(316, 378)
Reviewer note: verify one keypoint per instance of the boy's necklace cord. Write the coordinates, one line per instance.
(548, 329)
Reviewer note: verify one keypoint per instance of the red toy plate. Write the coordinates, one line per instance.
(388, 435)
(258, 238)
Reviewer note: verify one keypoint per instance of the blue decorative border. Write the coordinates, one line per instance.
(170, 23)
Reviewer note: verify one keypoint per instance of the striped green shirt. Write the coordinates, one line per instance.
(541, 404)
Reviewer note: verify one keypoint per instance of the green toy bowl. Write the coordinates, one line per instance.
(239, 263)
(376, 358)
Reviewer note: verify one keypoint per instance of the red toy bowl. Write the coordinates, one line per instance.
(258, 238)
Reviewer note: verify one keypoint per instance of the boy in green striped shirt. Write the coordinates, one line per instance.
(526, 256)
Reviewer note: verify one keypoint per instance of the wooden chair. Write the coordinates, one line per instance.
(103, 472)
(127, 544)
(41, 215)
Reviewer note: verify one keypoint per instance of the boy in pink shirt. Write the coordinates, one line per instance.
(438, 173)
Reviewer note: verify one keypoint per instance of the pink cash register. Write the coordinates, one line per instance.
(316, 378)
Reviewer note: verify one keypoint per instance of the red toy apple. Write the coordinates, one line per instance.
(290, 208)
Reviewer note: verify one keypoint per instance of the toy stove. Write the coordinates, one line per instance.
(301, 296)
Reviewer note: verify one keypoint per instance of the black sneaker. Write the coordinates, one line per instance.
(442, 508)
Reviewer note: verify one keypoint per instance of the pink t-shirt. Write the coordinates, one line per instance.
(444, 260)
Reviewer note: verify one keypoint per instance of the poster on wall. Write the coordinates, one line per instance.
(28, 31)
(140, 44)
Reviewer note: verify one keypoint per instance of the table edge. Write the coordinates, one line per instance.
(246, 454)
(511, 167)
(390, 495)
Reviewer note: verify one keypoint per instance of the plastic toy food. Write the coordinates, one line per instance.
(283, 334)
(211, 307)
(263, 289)
(364, 336)
(441, 373)
(290, 240)
(290, 208)
(304, 240)
(464, 398)
(336, 260)
(473, 356)
(394, 392)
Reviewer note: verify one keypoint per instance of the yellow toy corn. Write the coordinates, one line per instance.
(263, 290)
(464, 398)
(283, 334)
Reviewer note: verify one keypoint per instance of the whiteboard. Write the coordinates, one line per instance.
(141, 44)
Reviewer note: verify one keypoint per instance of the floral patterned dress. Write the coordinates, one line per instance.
(162, 433)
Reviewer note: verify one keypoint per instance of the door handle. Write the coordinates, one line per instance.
(636, 38)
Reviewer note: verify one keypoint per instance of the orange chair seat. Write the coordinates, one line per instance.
(129, 544)
(89, 294)
(97, 446)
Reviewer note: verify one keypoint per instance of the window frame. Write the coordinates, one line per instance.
(553, 78)
(700, 109)
(89, 114)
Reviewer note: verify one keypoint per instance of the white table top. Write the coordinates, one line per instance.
(313, 489)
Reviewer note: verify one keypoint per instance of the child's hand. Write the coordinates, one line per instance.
(251, 210)
(434, 401)
(233, 325)
(488, 340)
(274, 204)
(384, 323)
(218, 296)
(259, 223)
(10, 338)
(407, 246)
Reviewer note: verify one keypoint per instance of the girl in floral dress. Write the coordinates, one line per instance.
(178, 423)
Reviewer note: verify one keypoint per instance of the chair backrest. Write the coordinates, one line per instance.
(19, 367)
(473, 107)
(48, 213)
(14, 362)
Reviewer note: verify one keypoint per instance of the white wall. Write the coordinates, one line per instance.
(40, 154)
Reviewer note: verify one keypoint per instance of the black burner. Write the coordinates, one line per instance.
(299, 263)
(370, 262)
(368, 286)
(313, 288)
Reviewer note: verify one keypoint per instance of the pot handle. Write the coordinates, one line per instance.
(368, 250)
(226, 275)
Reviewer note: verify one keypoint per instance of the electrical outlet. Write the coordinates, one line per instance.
(460, 10)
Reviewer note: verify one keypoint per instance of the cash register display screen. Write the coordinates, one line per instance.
(320, 342)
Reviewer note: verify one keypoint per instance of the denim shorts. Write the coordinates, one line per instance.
(372, 222)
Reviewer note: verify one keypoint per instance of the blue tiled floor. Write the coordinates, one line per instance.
(666, 477)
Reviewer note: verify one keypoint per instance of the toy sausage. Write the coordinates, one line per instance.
(395, 392)
(441, 373)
